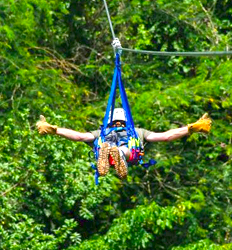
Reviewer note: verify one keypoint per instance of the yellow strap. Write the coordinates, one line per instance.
(137, 141)
(134, 143)
(100, 141)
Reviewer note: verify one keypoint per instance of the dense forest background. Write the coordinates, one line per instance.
(56, 59)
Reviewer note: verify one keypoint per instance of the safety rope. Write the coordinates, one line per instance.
(118, 48)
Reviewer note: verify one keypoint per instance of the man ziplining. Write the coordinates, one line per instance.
(115, 145)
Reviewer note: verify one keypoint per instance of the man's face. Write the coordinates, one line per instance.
(118, 124)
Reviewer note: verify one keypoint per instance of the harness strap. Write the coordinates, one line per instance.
(150, 163)
(96, 175)
(117, 80)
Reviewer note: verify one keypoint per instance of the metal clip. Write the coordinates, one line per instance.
(117, 45)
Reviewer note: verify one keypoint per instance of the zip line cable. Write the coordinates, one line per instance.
(108, 15)
(117, 46)
(167, 53)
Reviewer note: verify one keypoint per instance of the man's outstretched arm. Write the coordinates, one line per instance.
(202, 125)
(46, 128)
(169, 135)
(74, 135)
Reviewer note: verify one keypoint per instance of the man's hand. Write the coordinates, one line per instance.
(44, 127)
(202, 125)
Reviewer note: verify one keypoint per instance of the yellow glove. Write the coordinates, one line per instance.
(44, 127)
(202, 125)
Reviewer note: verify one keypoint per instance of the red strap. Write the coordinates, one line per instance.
(111, 160)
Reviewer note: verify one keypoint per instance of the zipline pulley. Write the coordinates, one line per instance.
(117, 46)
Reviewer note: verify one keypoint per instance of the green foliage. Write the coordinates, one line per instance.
(204, 245)
(136, 228)
(26, 234)
(56, 60)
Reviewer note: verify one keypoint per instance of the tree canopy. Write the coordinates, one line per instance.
(56, 59)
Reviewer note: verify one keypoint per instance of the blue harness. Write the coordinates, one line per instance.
(132, 141)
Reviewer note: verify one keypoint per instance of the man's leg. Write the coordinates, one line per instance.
(126, 151)
(103, 159)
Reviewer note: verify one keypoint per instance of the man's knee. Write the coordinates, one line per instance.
(126, 151)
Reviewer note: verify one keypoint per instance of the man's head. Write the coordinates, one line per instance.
(119, 117)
